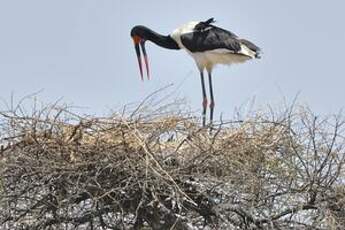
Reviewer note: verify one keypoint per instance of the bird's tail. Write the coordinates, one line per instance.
(252, 47)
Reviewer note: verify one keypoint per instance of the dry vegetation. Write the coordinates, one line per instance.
(156, 168)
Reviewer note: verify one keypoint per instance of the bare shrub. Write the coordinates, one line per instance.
(156, 168)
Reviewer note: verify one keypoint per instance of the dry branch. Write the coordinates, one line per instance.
(160, 170)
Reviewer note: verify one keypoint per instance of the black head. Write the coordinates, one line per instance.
(140, 31)
(139, 36)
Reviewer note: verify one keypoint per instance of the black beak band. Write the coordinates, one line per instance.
(137, 50)
(142, 44)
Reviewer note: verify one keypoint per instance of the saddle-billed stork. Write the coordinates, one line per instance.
(207, 44)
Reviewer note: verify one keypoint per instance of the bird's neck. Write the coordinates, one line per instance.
(161, 40)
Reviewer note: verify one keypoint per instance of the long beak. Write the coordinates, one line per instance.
(142, 44)
(137, 50)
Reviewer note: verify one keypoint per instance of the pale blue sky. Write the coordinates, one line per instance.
(81, 50)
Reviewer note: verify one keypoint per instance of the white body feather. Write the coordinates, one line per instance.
(208, 59)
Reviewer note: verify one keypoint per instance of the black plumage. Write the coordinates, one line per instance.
(206, 37)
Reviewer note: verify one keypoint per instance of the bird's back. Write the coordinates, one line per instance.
(184, 29)
(210, 45)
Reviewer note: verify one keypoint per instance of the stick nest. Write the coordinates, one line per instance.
(161, 170)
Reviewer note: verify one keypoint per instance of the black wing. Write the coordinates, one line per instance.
(209, 37)
(250, 45)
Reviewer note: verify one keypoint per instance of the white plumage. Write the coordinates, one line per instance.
(208, 59)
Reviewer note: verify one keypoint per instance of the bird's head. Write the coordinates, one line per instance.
(138, 34)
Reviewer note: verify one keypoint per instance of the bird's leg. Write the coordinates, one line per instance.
(212, 98)
(204, 96)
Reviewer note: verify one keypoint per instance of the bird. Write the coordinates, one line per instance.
(208, 45)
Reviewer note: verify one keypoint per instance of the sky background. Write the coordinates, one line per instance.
(81, 51)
